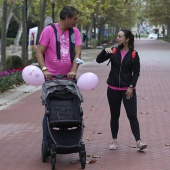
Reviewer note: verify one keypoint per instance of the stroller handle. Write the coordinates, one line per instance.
(61, 76)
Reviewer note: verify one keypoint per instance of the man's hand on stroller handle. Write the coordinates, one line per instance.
(47, 74)
(63, 76)
(71, 75)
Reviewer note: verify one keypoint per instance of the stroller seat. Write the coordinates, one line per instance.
(64, 110)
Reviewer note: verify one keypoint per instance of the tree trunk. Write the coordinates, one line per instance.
(99, 33)
(24, 34)
(168, 29)
(3, 36)
(17, 39)
(89, 34)
(9, 16)
(20, 29)
(42, 17)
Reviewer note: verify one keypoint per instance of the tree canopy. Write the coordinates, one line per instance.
(93, 14)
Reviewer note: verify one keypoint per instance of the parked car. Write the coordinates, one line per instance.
(153, 36)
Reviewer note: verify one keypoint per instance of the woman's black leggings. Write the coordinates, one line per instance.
(115, 98)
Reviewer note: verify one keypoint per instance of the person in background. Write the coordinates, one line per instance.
(122, 82)
(139, 35)
(46, 53)
(136, 35)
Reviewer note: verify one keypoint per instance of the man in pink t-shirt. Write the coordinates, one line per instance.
(47, 46)
(46, 52)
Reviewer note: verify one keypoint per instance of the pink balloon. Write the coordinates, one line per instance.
(87, 81)
(32, 75)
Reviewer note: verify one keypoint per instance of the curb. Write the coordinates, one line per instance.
(12, 96)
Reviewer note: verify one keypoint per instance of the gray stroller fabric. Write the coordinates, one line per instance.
(59, 85)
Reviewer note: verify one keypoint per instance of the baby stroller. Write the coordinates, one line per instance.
(62, 100)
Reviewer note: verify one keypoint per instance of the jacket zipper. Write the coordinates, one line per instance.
(121, 68)
(120, 72)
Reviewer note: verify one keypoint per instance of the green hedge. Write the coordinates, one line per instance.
(166, 38)
(11, 81)
(13, 61)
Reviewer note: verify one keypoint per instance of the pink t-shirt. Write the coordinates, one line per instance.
(123, 53)
(48, 39)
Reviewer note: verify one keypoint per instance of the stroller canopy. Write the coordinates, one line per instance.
(59, 85)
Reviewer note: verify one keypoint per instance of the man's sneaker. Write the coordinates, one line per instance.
(113, 145)
(141, 146)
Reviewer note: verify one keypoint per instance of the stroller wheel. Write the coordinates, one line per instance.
(53, 160)
(44, 152)
(82, 155)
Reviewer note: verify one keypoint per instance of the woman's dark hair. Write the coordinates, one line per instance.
(128, 34)
(68, 11)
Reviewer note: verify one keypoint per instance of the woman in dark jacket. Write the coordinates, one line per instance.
(125, 70)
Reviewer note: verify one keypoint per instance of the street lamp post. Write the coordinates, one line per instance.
(52, 6)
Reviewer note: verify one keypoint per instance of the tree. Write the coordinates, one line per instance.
(114, 13)
(155, 15)
(3, 36)
(24, 34)
(42, 16)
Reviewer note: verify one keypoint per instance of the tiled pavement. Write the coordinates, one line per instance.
(20, 123)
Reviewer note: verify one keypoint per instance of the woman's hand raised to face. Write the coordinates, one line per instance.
(108, 50)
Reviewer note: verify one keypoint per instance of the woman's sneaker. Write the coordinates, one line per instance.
(141, 146)
(113, 145)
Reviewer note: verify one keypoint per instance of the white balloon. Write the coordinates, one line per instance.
(32, 75)
(87, 81)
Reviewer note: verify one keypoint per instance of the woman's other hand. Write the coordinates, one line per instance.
(129, 93)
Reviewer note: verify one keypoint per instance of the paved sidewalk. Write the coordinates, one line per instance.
(20, 123)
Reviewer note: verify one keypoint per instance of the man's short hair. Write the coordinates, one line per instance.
(68, 11)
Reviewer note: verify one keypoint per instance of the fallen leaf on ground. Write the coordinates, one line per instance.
(97, 132)
(73, 162)
(2, 104)
(133, 146)
(91, 161)
(96, 156)
(144, 112)
(85, 117)
(26, 92)
(167, 144)
(144, 98)
(164, 110)
(89, 139)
